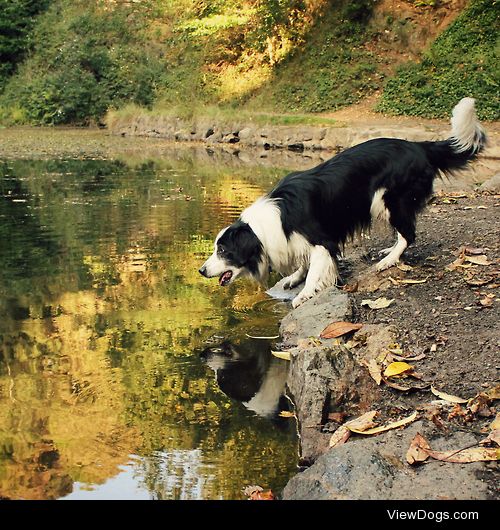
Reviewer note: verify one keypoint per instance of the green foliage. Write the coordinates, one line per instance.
(332, 69)
(84, 61)
(463, 61)
(17, 18)
(278, 56)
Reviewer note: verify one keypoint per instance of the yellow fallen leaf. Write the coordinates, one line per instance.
(363, 422)
(388, 427)
(337, 329)
(495, 424)
(341, 435)
(397, 368)
(478, 260)
(447, 397)
(379, 303)
(286, 414)
(404, 267)
(409, 280)
(281, 354)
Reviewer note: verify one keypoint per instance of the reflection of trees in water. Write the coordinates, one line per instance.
(101, 308)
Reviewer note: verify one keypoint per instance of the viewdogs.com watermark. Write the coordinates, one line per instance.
(428, 515)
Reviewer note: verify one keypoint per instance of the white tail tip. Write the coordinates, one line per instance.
(466, 131)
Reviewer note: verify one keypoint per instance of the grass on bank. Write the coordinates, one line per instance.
(131, 113)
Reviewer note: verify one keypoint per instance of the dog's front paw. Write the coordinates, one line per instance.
(300, 299)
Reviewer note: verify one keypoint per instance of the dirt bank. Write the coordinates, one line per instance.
(444, 318)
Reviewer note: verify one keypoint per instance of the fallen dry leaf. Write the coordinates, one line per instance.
(379, 303)
(287, 414)
(447, 397)
(340, 436)
(459, 262)
(457, 412)
(388, 427)
(493, 393)
(495, 424)
(281, 354)
(419, 447)
(363, 422)
(375, 370)
(472, 280)
(466, 456)
(417, 451)
(418, 357)
(404, 267)
(493, 437)
(263, 338)
(481, 259)
(337, 329)
(397, 368)
(410, 281)
(487, 301)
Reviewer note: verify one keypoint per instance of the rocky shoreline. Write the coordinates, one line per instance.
(248, 140)
(325, 379)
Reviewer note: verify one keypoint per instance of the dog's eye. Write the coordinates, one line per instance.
(222, 250)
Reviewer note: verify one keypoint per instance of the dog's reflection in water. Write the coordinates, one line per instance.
(251, 375)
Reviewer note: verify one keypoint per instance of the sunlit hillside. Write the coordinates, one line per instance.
(72, 61)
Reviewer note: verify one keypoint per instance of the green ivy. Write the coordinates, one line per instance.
(462, 61)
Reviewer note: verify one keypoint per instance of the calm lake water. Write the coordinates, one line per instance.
(123, 373)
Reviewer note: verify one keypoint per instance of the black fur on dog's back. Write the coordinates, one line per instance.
(329, 203)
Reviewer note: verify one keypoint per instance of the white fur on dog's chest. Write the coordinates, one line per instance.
(285, 255)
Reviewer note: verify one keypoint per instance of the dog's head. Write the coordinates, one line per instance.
(237, 252)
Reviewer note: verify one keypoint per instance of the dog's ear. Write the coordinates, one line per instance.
(248, 246)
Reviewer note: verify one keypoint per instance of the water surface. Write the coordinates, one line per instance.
(123, 373)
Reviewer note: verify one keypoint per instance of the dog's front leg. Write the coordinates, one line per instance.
(296, 278)
(322, 273)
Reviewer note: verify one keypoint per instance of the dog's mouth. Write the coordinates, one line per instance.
(225, 278)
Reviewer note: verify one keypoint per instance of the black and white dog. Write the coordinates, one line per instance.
(300, 227)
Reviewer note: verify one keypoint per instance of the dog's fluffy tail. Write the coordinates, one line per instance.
(467, 139)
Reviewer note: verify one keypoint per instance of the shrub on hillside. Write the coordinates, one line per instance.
(83, 62)
(462, 61)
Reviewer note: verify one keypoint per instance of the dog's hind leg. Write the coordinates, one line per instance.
(322, 273)
(296, 278)
(393, 254)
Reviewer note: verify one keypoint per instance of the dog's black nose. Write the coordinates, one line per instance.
(203, 271)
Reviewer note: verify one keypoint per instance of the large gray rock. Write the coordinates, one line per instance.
(375, 468)
(322, 377)
(310, 318)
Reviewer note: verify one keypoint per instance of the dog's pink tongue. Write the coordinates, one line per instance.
(225, 278)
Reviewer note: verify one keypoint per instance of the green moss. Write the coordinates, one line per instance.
(462, 61)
